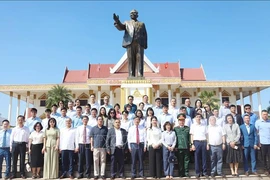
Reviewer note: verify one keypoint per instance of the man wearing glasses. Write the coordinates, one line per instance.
(182, 145)
(253, 116)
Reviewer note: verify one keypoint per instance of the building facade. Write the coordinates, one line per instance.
(164, 80)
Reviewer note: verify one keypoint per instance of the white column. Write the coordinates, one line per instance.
(169, 93)
(178, 100)
(99, 94)
(18, 106)
(220, 96)
(27, 104)
(241, 101)
(259, 102)
(250, 99)
(111, 97)
(157, 94)
(10, 105)
(127, 94)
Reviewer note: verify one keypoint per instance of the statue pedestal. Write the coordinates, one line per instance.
(136, 78)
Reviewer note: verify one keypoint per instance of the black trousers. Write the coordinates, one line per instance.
(18, 148)
(266, 156)
(85, 158)
(117, 158)
(155, 162)
(135, 53)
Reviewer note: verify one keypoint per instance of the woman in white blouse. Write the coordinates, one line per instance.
(139, 114)
(154, 146)
(35, 150)
(169, 142)
(125, 122)
(148, 117)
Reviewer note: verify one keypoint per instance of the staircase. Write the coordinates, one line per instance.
(226, 171)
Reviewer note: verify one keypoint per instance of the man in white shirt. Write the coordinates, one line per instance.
(106, 104)
(45, 121)
(188, 120)
(198, 138)
(77, 104)
(158, 107)
(83, 148)
(5, 133)
(165, 117)
(87, 110)
(67, 147)
(93, 118)
(54, 112)
(77, 119)
(219, 121)
(225, 109)
(70, 111)
(137, 147)
(93, 102)
(146, 104)
(18, 142)
(116, 144)
(216, 145)
(30, 122)
(173, 110)
(61, 121)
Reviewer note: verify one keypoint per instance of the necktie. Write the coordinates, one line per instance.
(5, 139)
(84, 135)
(137, 135)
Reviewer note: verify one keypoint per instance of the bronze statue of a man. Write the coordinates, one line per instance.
(135, 41)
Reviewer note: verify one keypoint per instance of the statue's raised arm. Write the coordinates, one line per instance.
(117, 23)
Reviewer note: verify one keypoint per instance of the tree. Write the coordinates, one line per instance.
(208, 97)
(56, 94)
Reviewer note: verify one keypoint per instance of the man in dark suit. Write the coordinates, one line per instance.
(249, 142)
(237, 117)
(190, 110)
(115, 144)
(135, 41)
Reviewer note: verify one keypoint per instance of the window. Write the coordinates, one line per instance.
(184, 99)
(83, 102)
(225, 98)
(101, 101)
(165, 101)
(42, 103)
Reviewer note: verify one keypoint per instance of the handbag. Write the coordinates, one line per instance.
(172, 158)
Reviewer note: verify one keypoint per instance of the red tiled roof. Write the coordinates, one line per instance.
(99, 70)
(168, 69)
(75, 76)
(192, 74)
(103, 71)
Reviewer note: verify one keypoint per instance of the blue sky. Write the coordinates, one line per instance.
(39, 39)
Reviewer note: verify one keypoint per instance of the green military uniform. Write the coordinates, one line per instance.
(183, 146)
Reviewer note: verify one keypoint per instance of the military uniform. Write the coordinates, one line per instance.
(183, 152)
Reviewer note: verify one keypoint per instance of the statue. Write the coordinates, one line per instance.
(135, 41)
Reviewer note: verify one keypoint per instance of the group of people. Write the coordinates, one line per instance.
(170, 135)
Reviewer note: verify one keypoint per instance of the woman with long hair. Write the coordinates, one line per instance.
(154, 144)
(111, 118)
(50, 150)
(234, 150)
(103, 114)
(149, 114)
(199, 105)
(139, 114)
(35, 150)
(117, 110)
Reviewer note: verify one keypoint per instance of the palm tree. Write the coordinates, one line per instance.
(208, 97)
(56, 94)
